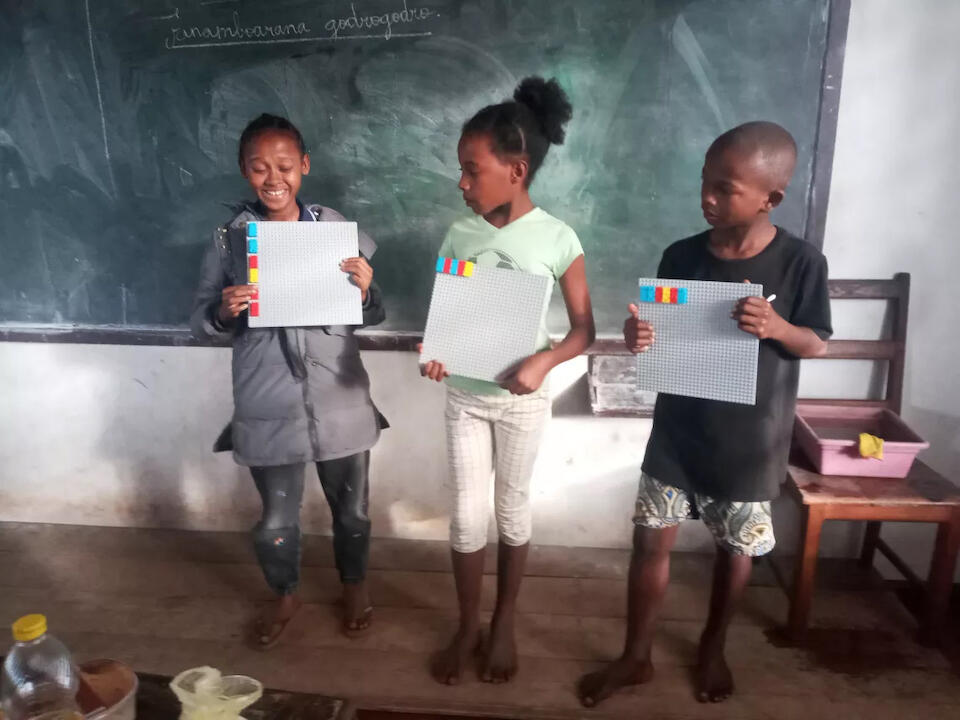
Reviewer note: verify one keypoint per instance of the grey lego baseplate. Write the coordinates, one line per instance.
(485, 320)
(295, 268)
(699, 351)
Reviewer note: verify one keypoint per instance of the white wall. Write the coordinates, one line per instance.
(119, 435)
(893, 198)
(893, 203)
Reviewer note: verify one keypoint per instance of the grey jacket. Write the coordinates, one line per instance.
(299, 394)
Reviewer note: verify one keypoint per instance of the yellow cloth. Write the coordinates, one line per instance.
(871, 446)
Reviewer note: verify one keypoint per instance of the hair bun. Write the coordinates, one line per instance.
(548, 103)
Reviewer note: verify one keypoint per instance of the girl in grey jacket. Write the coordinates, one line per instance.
(300, 394)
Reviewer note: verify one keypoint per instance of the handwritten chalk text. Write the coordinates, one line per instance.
(230, 34)
(386, 21)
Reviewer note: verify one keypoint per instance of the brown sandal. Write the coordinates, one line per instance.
(358, 625)
(264, 635)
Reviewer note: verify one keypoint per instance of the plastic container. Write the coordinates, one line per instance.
(114, 686)
(829, 435)
(39, 679)
(205, 694)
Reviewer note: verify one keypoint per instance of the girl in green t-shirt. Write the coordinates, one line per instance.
(495, 430)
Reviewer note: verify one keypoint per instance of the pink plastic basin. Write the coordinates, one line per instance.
(830, 436)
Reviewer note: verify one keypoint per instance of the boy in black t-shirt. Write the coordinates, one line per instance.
(719, 461)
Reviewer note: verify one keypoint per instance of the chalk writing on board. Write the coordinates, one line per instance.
(378, 26)
(175, 15)
(235, 34)
(386, 21)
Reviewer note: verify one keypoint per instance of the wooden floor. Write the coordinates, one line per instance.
(164, 601)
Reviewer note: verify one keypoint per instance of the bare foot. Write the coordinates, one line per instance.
(714, 680)
(500, 658)
(622, 672)
(357, 610)
(269, 627)
(449, 663)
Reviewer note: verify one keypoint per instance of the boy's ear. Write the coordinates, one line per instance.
(773, 199)
(305, 164)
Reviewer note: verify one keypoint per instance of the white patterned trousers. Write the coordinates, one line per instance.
(492, 436)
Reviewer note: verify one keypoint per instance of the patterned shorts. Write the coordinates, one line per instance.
(743, 528)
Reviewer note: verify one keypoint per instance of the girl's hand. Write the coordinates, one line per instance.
(638, 334)
(432, 369)
(361, 274)
(234, 300)
(529, 375)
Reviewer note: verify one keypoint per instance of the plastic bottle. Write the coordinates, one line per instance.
(39, 679)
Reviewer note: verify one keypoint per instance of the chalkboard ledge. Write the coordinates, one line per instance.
(173, 336)
(169, 336)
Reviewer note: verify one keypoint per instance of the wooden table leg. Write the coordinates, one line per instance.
(870, 538)
(802, 596)
(940, 582)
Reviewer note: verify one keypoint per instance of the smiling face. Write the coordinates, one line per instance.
(736, 189)
(487, 181)
(274, 167)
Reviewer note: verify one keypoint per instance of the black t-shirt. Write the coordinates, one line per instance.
(726, 450)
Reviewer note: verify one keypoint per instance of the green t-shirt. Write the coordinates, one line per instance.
(536, 243)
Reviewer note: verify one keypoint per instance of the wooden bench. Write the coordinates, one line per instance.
(924, 496)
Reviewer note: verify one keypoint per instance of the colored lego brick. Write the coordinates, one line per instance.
(252, 261)
(681, 296)
(253, 275)
(660, 294)
(449, 266)
(673, 296)
(254, 293)
(251, 230)
(648, 293)
(252, 246)
(254, 309)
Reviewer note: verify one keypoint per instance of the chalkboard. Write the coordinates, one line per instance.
(120, 120)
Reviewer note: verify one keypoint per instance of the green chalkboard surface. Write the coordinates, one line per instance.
(120, 119)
